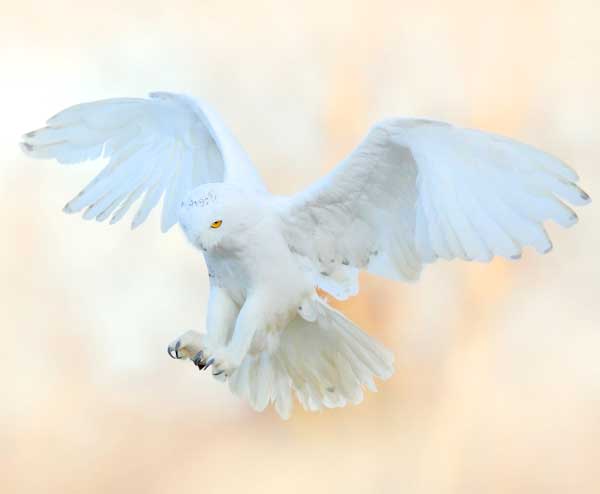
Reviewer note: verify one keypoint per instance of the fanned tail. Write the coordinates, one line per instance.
(325, 363)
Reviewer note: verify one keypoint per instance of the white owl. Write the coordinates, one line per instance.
(413, 191)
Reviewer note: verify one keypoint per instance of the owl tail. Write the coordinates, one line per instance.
(326, 362)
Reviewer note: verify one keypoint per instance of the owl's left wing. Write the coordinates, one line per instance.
(166, 144)
(416, 190)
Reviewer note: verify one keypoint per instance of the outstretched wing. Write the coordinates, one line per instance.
(167, 144)
(416, 190)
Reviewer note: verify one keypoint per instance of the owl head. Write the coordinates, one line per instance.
(216, 216)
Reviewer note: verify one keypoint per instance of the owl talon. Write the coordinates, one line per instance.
(174, 352)
(199, 359)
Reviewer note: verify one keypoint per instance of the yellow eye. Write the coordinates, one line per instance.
(216, 224)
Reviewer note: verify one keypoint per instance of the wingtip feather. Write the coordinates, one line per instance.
(68, 208)
(573, 219)
(166, 228)
(26, 148)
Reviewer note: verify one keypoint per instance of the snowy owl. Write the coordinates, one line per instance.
(413, 191)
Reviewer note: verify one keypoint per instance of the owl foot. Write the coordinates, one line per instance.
(187, 346)
(191, 346)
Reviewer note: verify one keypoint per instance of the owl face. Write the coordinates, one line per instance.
(216, 216)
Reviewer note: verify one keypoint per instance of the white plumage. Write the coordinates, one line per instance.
(412, 192)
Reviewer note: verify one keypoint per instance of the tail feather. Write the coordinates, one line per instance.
(326, 363)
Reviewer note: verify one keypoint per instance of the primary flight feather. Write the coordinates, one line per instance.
(412, 192)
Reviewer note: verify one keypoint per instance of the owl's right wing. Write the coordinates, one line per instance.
(165, 144)
(414, 191)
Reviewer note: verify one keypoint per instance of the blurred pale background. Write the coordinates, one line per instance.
(497, 388)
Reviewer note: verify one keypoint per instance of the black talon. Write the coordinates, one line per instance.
(209, 362)
(177, 345)
(198, 358)
(218, 373)
(169, 351)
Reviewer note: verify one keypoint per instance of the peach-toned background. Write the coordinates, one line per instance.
(497, 388)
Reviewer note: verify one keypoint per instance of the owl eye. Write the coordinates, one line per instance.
(216, 224)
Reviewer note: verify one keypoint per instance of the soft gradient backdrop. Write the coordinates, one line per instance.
(497, 388)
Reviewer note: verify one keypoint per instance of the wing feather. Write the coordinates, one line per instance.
(164, 145)
(422, 190)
